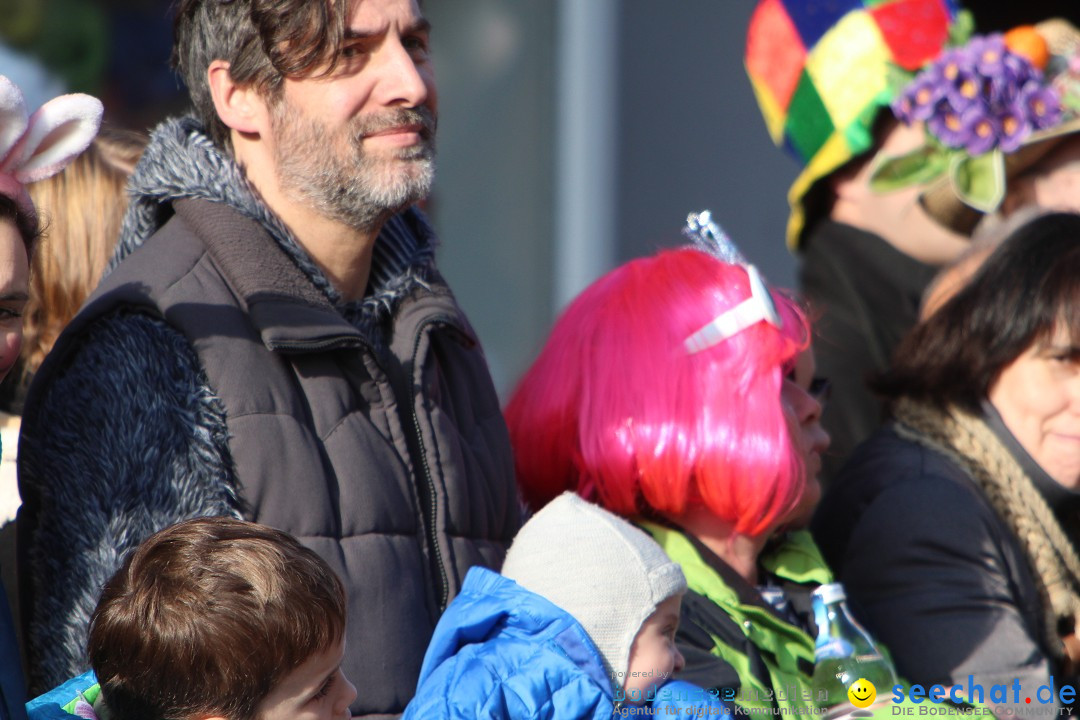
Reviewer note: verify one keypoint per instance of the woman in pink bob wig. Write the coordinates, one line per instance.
(617, 409)
(648, 401)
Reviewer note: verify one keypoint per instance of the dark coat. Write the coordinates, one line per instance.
(932, 570)
(864, 295)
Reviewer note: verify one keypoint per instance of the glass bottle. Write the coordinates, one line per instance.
(844, 653)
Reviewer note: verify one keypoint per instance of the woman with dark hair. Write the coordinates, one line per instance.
(955, 527)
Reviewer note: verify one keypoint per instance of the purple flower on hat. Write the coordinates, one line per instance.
(987, 53)
(947, 127)
(981, 97)
(965, 90)
(1020, 69)
(948, 65)
(1041, 104)
(1015, 126)
(979, 129)
(1014, 72)
(920, 100)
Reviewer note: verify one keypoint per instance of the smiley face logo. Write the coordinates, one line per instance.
(862, 693)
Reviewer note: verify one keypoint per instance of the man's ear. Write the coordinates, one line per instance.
(240, 107)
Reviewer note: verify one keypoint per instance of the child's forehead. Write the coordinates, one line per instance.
(667, 609)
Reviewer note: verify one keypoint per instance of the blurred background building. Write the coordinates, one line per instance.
(574, 134)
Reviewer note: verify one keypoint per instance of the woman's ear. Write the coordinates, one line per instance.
(240, 107)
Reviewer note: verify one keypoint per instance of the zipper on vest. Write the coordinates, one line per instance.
(341, 342)
(427, 487)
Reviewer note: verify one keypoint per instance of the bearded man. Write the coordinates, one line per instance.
(275, 343)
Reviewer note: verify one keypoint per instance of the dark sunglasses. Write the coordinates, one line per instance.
(820, 389)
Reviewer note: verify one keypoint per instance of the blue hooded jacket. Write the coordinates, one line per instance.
(501, 652)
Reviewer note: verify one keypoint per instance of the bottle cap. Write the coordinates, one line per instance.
(830, 593)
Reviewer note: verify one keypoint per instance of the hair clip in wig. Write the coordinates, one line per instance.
(754, 309)
(707, 236)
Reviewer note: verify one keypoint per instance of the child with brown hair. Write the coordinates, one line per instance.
(214, 618)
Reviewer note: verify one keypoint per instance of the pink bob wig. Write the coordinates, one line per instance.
(616, 409)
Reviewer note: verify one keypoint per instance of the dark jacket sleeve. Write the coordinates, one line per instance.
(935, 576)
(121, 439)
(864, 297)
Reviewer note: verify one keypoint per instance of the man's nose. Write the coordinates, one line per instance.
(404, 82)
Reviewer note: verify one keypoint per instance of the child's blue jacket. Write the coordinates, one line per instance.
(501, 652)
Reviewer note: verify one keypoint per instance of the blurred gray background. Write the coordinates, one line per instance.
(575, 135)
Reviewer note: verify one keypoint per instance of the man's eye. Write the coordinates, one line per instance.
(415, 43)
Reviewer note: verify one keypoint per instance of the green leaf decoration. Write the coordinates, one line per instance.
(1071, 102)
(915, 168)
(962, 29)
(980, 180)
(896, 80)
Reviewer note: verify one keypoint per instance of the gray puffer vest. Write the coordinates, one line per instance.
(390, 459)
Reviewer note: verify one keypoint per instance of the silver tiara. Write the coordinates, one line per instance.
(706, 235)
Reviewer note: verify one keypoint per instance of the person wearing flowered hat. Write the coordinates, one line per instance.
(32, 147)
(1002, 115)
(824, 74)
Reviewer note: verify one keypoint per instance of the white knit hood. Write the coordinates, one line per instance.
(599, 568)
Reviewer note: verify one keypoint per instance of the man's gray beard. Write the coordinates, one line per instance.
(356, 189)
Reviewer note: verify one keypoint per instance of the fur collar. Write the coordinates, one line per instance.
(182, 162)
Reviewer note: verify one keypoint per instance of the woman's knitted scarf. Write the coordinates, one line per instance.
(969, 442)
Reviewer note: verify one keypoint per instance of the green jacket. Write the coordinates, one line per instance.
(735, 642)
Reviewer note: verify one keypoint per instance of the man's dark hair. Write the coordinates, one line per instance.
(207, 616)
(264, 42)
(1029, 285)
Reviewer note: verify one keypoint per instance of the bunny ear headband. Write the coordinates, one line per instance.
(34, 147)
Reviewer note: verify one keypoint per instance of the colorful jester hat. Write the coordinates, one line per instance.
(991, 109)
(35, 147)
(822, 70)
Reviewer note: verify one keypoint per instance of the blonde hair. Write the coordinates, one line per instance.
(82, 209)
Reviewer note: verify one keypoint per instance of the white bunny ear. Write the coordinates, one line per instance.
(13, 118)
(60, 130)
